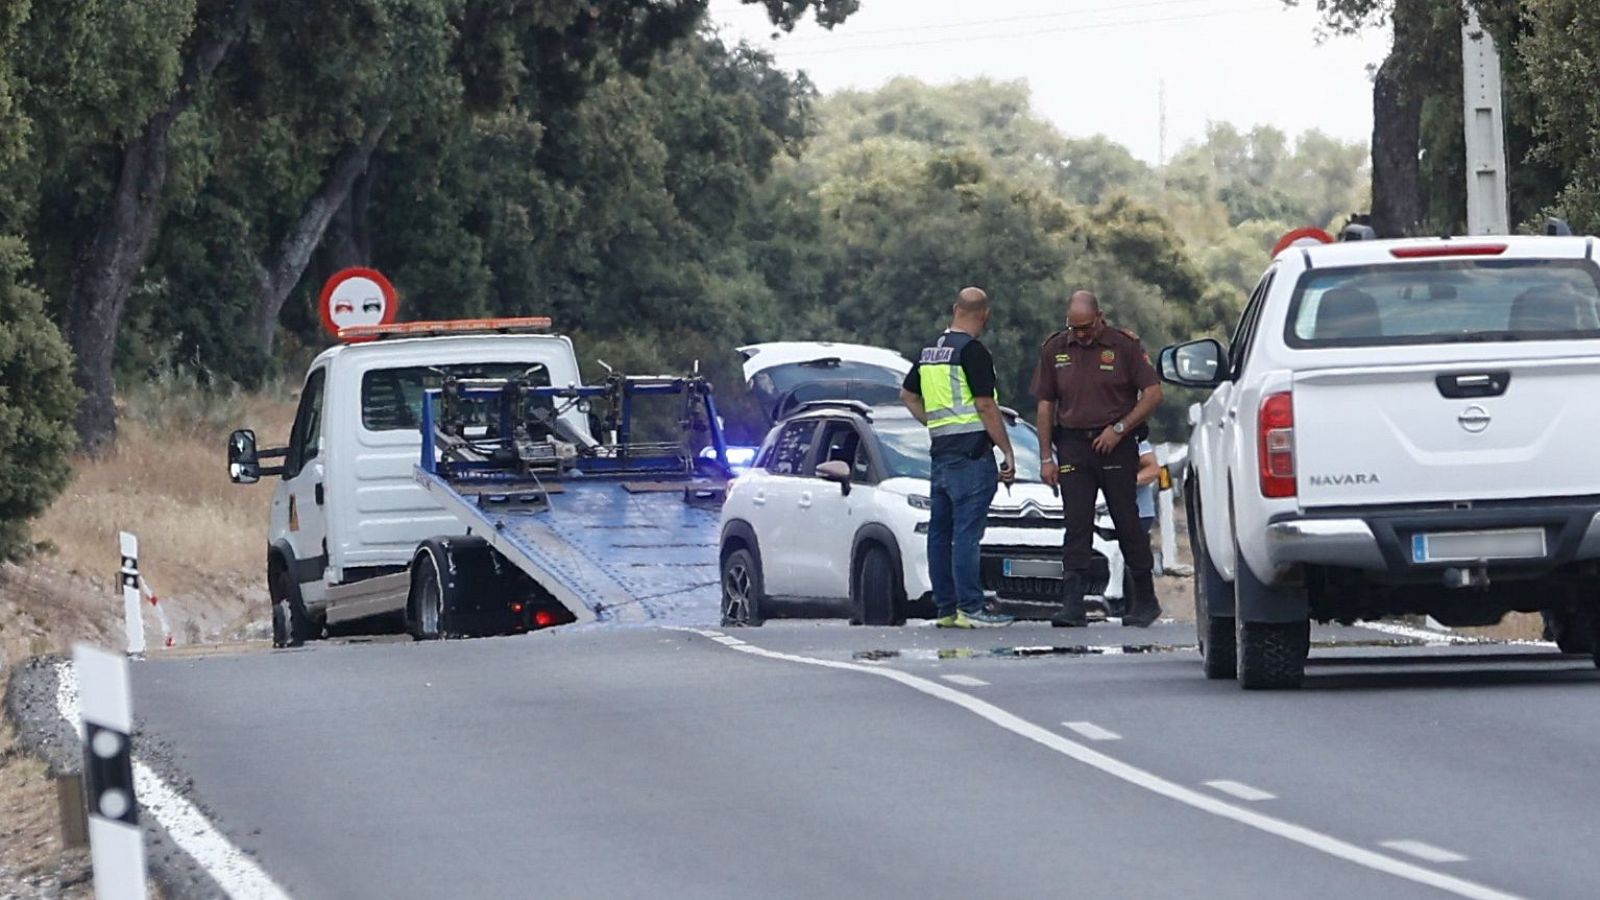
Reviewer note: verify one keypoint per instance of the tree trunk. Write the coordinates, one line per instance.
(274, 281)
(349, 239)
(123, 234)
(1397, 125)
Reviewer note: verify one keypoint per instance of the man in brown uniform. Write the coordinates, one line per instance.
(1096, 387)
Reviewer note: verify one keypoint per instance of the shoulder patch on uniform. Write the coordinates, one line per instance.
(1130, 334)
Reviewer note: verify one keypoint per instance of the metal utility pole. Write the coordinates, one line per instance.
(1485, 131)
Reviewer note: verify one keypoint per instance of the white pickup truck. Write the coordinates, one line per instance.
(1396, 427)
(349, 514)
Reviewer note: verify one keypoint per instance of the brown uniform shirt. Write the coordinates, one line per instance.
(1095, 384)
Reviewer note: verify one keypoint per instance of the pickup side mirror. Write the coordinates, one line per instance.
(1197, 364)
(836, 471)
(244, 459)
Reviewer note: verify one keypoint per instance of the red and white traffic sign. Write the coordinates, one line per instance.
(357, 296)
(1299, 238)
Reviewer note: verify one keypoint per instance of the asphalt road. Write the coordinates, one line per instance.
(815, 759)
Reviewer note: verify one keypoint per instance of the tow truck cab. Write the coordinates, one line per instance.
(348, 515)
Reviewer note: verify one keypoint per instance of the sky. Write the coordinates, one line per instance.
(1100, 66)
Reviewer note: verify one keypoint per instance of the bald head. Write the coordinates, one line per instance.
(1083, 317)
(972, 300)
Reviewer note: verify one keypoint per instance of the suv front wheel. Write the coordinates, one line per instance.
(741, 589)
(878, 598)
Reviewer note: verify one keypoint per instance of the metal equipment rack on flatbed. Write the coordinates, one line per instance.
(617, 530)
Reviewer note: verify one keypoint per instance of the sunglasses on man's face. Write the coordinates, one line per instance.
(1080, 329)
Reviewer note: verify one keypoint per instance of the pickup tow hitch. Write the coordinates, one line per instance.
(1460, 578)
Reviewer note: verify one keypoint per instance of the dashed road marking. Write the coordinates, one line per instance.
(1241, 790)
(1092, 731)
(1425, 851)
(1289, 831)
(965, 680)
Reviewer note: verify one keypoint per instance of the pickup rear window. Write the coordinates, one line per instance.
(391, 399)
(1449, 301)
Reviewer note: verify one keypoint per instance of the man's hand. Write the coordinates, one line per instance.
(1050, 473)
(1008, 470)
(1107, 441)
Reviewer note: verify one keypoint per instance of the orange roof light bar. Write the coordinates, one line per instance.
(450, 326)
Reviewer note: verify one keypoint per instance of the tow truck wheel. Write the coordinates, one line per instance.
(427, 599)
(876, 599)
(291, 624)
(741, 590)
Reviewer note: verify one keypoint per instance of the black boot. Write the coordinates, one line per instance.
(1072, 614)
(1143, 607)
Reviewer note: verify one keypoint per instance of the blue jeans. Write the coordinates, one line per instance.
(962, 491)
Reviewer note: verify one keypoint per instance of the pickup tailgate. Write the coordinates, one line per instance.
(1417, 433)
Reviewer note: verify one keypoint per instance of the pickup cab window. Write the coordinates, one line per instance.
(1453, 301)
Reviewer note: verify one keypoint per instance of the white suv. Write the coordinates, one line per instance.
(835, 511)
(1396, 427)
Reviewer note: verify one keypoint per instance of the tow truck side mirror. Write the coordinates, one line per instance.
(244, 459)
(836, 471)
(1197, 364)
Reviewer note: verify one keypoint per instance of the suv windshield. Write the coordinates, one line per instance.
(391, 399)
(1446, 302)
(905, 448)
(781, 379)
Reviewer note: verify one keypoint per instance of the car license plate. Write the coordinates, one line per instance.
(1478, 546)
(1032, 568)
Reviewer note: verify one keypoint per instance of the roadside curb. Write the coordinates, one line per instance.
(30, 704)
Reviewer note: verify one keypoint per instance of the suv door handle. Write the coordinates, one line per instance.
(805, 499)
(316, 492)
(760, 499)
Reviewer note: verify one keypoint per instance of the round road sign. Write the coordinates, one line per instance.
(357, 297)
(1301, 236)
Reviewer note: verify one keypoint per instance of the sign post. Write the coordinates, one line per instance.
(116, 843)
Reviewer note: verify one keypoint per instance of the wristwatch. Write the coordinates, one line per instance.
(1119, 427)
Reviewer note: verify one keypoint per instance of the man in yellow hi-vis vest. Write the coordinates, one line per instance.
(951, 390)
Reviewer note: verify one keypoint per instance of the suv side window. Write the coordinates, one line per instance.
(1246, 333)
(307, 430)
(793, 446)
(841, 441)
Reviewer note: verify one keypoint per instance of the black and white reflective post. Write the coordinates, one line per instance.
(116, 843)
(132, 622)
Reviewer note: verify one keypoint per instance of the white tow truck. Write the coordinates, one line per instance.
(458, 477)
(1397, 427)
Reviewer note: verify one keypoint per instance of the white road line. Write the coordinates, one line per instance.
(1092, 731)
(1299, 834)
(1241, 790)
(1425, 851)
(236, 873)
(965, 680)
(1425, 635)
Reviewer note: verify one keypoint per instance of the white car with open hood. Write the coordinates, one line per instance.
(1397, 427)
(834, 513)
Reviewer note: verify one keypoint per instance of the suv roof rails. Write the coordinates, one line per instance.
(1554, 227)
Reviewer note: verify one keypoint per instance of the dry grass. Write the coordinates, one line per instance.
(201, 538)
(32, 860)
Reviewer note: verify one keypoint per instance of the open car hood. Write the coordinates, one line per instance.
(759, 357)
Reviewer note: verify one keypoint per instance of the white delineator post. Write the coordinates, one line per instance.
(1485, 130)
(105, 705)
(132, 621)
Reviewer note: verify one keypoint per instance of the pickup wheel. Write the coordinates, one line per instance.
(1218, 646)
(1571, 630)
(292, 626)
(741, 590)
(877, 599)
(1272, 655)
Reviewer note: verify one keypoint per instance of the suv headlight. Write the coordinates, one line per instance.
(918, 501)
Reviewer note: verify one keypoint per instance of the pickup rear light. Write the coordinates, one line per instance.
(1435, 251)
(1275, 426)
(544, 618)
